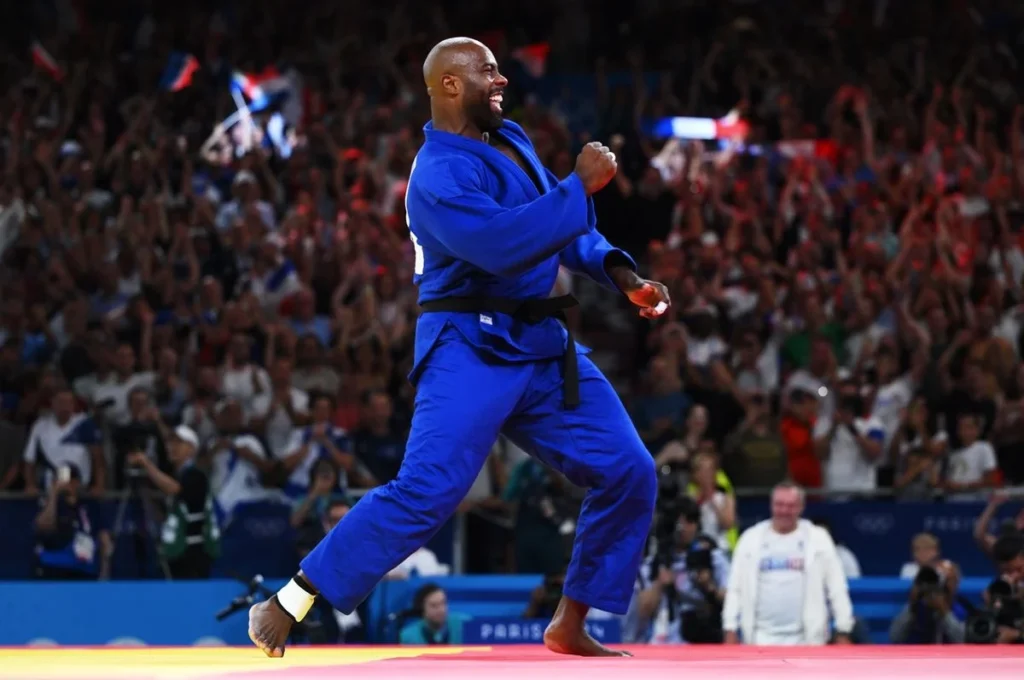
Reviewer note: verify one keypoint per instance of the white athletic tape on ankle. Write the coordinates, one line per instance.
(295, 600)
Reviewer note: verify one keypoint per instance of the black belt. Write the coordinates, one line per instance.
(527, 311)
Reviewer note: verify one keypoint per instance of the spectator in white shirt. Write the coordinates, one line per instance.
(972, 468)
(277, 412)
(239, 463)
(110, 397)
(63, 437)
(785, 579)
(241, 379)
(850, 447)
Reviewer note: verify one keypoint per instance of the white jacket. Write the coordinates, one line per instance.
(823, 578)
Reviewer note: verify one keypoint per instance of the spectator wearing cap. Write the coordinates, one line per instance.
(190, 537)
(73, 542)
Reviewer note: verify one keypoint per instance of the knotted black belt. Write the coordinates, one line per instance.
(527, 311)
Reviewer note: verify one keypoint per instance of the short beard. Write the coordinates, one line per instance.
(486, 120)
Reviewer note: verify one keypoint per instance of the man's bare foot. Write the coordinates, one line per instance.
(269, 626)
(566, 633)
(577, 642)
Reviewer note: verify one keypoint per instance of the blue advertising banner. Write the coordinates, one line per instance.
(259, 540)
(530, 631)
(184, 612)
(879, 532)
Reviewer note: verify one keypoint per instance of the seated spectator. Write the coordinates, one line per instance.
(659, 415)
(717, 503)
(797, 430)
(317, 513)
(754, 454)
(379, 443)
(436, 625)
(972, 469)
(276, 413)
(63, 437)
(319, 441)
(73, 540)
(239, 463)
(918, 452)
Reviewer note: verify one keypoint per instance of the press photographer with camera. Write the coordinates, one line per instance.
(683, 582)
(1001, 621)
(143, 433)
(927, 618)
(190, 537)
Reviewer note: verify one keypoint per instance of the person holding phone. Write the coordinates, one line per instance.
(73, 540)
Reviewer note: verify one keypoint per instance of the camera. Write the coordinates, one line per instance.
(851, 403)
(1005, 610)
(928, 583)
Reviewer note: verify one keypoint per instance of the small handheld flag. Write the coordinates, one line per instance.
(178, 74)
(45, 61)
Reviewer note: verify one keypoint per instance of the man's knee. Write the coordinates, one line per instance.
(640, 475)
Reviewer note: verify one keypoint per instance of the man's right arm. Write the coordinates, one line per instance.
(453, 208)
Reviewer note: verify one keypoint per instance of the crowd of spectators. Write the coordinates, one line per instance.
(847, 312)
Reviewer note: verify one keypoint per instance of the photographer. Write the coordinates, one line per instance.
(1008, 553)
(190, 538)
(927, 618)
(683, 584)
(143, 433)
(1002, 620)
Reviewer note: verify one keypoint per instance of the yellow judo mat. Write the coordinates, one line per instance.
(60, 663)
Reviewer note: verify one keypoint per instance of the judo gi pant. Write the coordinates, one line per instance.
(464, 400)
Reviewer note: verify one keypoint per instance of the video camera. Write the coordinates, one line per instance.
(1005, 609)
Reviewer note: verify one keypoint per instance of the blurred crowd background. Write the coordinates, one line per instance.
(847, 281)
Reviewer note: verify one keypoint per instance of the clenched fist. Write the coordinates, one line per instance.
(596, 167)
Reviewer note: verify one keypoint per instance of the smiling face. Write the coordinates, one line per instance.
(473, 75)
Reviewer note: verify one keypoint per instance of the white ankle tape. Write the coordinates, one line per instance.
(295, 600)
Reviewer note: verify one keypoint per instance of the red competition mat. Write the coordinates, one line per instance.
(508, 663)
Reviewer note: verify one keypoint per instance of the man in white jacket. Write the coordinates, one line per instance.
(785, 578)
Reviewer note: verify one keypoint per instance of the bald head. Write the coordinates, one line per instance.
(462, 79)
(453, 57)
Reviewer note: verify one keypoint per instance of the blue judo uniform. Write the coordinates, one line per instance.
(482, 227)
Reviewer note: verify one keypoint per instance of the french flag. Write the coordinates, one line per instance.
(178, 74)
(262, 89)
(533, 58)
(45, 61)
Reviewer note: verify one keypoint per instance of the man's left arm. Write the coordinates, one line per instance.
(837, 590)
(592, 256)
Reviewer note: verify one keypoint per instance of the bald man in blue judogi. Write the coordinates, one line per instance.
(490, 227)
